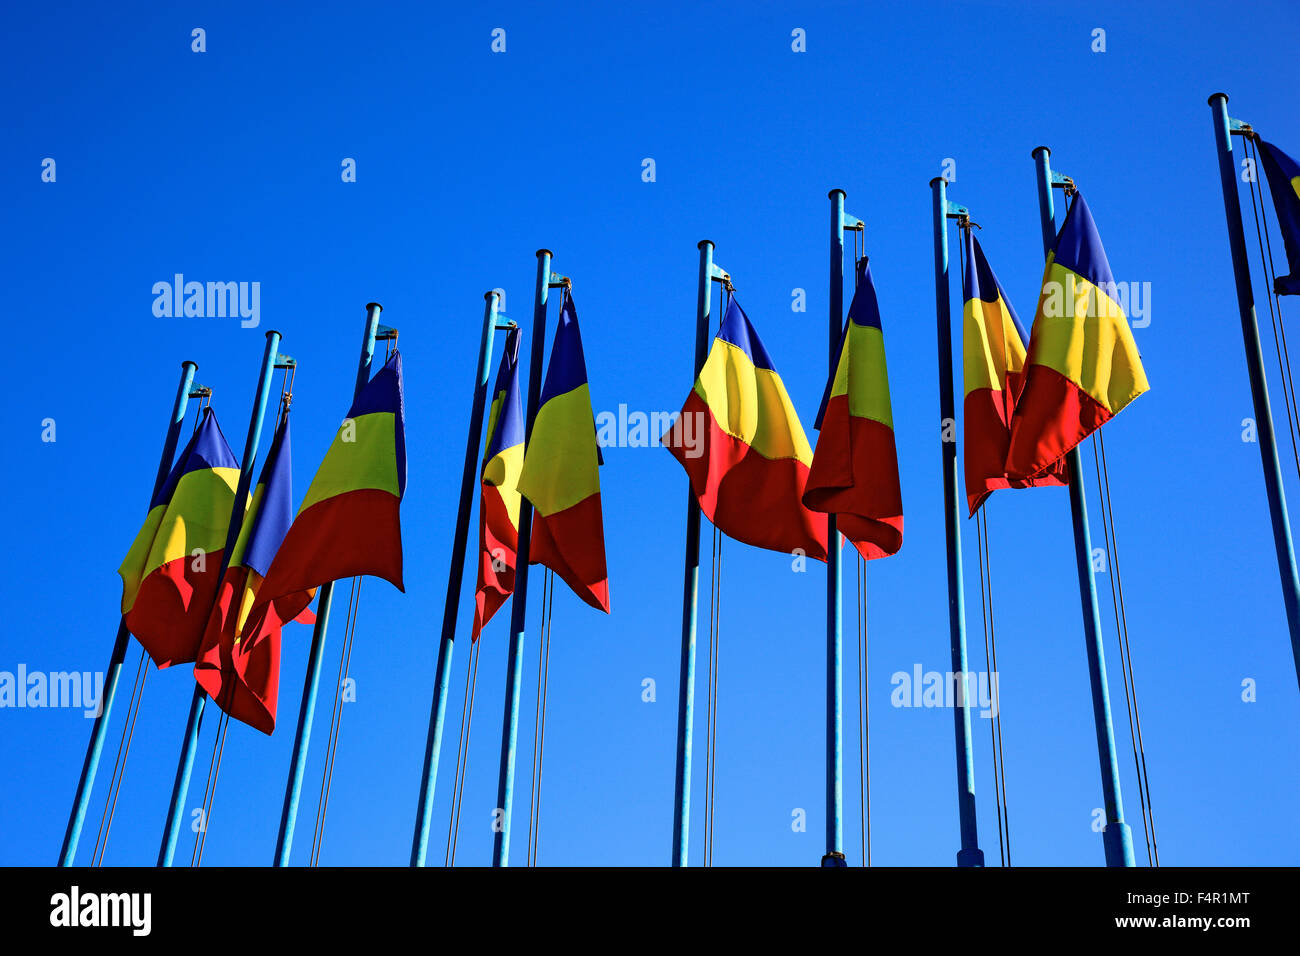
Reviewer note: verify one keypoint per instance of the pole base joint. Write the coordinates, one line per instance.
(834, 858)
(971, 857)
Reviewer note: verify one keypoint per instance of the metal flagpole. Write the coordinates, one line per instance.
(172, 829)
(311, 683)
(1117, 837)
(90, 766)
(469, 475)
(546, 280)
(709, 273)
(834, 856)
(970, 854)
(1224, 127)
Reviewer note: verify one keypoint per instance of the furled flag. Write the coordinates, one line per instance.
(169, 576)
(560, 474)
(503, 459)
(1083, 365)
(854, 473)
(993, 348)
(349, 523)
(1284, 183)
(743, 448)
(239, 660)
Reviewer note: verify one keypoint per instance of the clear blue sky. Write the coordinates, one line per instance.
(226, 166)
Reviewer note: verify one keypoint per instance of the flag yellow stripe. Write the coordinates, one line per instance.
(560, 468)
(751, 404)
(862, 375)
(197, 517)
(363, 455)
(1082, 333)
(992, 345)
(502, 471)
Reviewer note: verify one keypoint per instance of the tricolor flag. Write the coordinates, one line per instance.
(349, 522)
(743, 448)
(503, 459)
(239, 661)
(1284, 183)
(169, 576)
(1083, 365)
(993, 359)
(854, 473)
(560, 474)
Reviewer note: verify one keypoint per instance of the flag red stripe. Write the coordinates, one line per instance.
(1052, 416)
(753, 499)
(358, 532)
(171, 609)
(572, 544)
(855, 477)
(498, 541)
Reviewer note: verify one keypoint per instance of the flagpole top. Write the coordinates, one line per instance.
(374, 305)
(487, 296)
(1215, 96)
(831, 194)
(703, 242)
(1041, 149)
(274, 332)
(545, 252)
(938, 179)
(194, 366)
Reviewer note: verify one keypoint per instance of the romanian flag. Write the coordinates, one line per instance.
(348, 524)
(854, 473)
(239, 661)
(169, 577)
(560, 474)
(993, 352)
(1083, 365)
(742, 446)
(1284, 183)
(503, 459)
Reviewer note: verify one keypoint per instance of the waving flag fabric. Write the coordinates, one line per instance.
(1083, 365)
(1284, 183)
(349, 523)
(503, 460)
(994, 364)
(854, 473)
(560, 474)
(742, 445)
(169, 576)
(239, 661)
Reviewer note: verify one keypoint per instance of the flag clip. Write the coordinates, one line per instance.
(200, 391)
(853, 224)
(1062, 181)
(558, 281)
(384, 333)
(1240, 127)
(285, 361)
(955, 210)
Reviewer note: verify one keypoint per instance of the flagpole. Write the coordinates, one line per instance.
(68, 853)
(834, 855)
(172, 829)
(325, 600)
(970, 854)
(709, 273)
(1117, 838)
(1286, 561)
(519, 602)
(455, 576)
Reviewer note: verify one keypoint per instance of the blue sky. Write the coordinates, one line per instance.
(225, 165)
